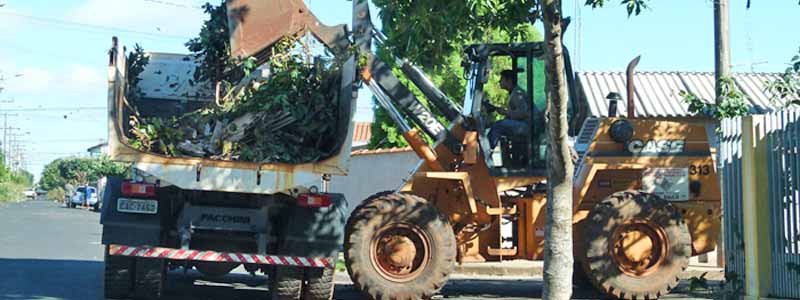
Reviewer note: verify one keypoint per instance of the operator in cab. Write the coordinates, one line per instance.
(516, 115)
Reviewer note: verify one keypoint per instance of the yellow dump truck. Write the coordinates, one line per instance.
(214, 215)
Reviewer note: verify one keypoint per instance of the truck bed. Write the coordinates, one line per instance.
(166, 89)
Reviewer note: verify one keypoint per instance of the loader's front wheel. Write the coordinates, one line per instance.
(636, 246)
(398, 246)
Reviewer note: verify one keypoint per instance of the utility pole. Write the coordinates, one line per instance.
(722, 46)
(722, 68)
(6, 141)
(5, 132)
(11, 138)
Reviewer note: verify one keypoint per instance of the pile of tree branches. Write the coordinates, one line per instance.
(284, 111)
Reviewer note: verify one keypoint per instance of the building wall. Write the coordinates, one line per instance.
(372, 173)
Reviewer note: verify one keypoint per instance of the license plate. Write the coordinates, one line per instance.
(137, 206)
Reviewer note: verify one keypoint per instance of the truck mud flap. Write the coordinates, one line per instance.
(221, 257)
(126, 228)
(316, 231)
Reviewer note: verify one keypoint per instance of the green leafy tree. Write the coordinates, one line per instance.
(786, 90)
(733, 102)
(447, 73)
(136, 62)
(78, 171)
(212, 47)
(12, 183)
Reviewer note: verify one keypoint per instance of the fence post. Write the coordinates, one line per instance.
(755, 197)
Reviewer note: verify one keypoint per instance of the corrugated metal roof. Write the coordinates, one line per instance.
(171, 77)
(656, 94)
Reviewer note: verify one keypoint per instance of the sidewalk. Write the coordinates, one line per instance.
(527, 268)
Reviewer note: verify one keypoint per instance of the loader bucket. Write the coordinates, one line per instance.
(255, 25)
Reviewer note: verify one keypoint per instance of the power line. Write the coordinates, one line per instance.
(55, 108)
(167, 3)
(98, 140)
(38, 53)
(93, 26)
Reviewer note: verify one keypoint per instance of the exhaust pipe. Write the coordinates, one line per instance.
(631, 66)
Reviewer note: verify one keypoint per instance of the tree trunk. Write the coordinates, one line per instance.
(558, 256)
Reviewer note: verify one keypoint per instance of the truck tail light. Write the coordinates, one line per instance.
(314, 200)
(131, 189)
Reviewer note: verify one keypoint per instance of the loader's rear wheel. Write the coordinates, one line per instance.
(398, 246)
(636, 246)
(118, 276)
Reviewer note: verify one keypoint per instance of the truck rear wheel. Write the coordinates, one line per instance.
(398, 246)
(318, 284)
(118, 277)
(292, 283)
(151, 275)
(636, 246)
(286, 283)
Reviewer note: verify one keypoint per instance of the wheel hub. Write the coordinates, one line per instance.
(400, 252)
(638, 247)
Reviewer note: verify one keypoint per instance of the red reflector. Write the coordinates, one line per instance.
(314, 200)
(138, 189)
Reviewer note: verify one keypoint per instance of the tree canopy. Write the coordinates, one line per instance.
(79, 170)
(433, 34)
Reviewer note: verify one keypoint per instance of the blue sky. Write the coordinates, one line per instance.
(59, 48)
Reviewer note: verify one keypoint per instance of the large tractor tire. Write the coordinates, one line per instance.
(118, 276)
(151, 278)
(636, 246)
(398, 246)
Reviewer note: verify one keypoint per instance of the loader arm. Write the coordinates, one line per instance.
(256, 25)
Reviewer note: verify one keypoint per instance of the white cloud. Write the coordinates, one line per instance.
(84, 76)
(140, 15)
(77, 78)
(9, 24)
(33, 79)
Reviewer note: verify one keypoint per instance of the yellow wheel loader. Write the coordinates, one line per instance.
(646, 194)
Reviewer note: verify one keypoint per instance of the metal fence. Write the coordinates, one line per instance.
(783, 132)
(779, 132)
(733, 219)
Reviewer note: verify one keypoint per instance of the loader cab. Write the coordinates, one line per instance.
(520, 153)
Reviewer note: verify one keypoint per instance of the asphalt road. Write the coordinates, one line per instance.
(51, 252)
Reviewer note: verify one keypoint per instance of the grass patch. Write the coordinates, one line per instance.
(340, 266)
(11, 191)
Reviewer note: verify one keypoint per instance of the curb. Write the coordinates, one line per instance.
(525, 268)
(522, 268)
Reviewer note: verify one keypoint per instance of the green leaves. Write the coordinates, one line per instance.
(290, 117)
(426, 31)
(634, 7)
(212, 47)
(733, 102)
(136, 62)
(76, 170)
(786, 90)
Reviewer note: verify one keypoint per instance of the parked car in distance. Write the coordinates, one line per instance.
(30, 193)
(85, 195)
